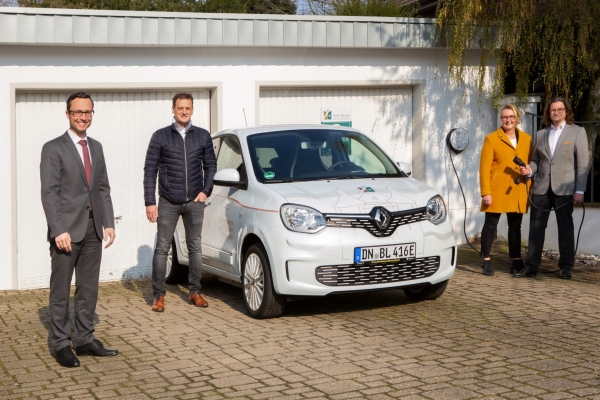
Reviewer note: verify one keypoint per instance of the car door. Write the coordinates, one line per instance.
(220, 231)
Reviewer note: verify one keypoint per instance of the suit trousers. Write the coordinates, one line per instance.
(168, 216)
(84, 258)
(563, 210)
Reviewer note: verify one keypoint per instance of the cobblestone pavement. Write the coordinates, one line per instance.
(486, 337)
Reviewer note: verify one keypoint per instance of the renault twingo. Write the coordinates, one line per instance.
(313, 210)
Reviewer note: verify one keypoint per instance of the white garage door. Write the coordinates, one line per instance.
(383, 114)
(123, 123)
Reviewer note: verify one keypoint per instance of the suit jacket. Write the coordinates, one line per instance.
(498, 174)
(66, 194)
(565, 171)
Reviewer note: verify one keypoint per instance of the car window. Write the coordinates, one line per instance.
(317, 154)
(360, 155)
(230, 153)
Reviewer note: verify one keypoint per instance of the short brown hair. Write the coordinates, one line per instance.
(183, 96)
(78, 95)
(515, 111)
(570, 115)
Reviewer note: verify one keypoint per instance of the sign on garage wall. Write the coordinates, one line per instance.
(123, 122)
(340, 116)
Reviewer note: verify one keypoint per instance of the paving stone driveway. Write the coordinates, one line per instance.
(485, 337)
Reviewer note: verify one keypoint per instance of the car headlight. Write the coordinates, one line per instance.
(301, 219)
(436, 210)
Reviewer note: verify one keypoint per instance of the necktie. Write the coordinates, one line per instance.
(87, 165)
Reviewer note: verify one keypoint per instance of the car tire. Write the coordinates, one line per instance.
(176, 273)
(426, 292)
(259, 295)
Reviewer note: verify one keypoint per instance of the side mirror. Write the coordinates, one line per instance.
(405, 167)
(229, 177)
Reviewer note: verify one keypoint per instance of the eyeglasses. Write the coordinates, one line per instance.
(78, 113)
(557, 111)
(509, 117)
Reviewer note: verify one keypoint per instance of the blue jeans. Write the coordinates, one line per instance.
(168, 215)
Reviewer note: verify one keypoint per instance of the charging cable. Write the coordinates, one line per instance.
(465, 202)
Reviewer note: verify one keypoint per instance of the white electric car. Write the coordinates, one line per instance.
(313, 210)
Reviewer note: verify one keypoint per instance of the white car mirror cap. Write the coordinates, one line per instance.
(405, 167)
(227, 175)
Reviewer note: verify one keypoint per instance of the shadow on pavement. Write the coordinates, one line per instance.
(44, 317)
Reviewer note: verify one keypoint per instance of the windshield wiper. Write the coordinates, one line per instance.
(345, 177)
(279, 181)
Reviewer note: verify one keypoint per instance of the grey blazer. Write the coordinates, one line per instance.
(566, 171)
(66, 195)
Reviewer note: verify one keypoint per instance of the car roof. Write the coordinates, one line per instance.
(245, 132)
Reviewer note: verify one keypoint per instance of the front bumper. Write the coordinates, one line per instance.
(322, 263)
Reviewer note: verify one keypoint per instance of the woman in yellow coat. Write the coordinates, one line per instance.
(503, 188)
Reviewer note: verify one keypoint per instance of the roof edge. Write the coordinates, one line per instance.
(224, 16)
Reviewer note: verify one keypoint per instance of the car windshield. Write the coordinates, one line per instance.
(314, 154)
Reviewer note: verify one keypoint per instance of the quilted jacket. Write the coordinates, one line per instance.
(184, 168)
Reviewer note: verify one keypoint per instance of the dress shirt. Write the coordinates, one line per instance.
(554, 136)
(182, 131)
(76, 140)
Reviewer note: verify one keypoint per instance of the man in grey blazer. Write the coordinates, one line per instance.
(76, 201)
(559, 165)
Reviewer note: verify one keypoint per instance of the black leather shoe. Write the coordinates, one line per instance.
(527, 272)
(486, 266)
(565, 274)
(95, 348)
(66, 358)
(516, 266)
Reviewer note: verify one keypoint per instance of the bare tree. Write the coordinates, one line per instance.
(373, 8)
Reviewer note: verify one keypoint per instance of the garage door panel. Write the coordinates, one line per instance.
(384, 114)
(123, 122)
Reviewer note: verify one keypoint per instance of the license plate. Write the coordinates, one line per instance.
(384, 253)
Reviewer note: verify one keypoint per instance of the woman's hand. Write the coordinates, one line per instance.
(487, 199)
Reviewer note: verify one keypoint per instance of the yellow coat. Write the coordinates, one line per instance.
(498, 173)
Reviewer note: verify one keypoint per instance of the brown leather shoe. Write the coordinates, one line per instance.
(159, 304)
(197, 300)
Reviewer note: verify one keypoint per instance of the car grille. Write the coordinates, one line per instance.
(367, 222)
(371, 274)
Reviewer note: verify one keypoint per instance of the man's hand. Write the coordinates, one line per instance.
(525, 171)
(109, 235)
(152, 213)
(200, 198)
(63, 242)
(487, 199)
(577, 198)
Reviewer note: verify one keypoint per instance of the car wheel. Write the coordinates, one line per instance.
(176, 273)
(426, 292)
(259, 295)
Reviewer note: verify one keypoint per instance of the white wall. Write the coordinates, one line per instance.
(236, 71)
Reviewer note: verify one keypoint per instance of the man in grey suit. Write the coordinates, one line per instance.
(559, 165)
(77, 204)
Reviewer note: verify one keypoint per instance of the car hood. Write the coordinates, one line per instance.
(357, 196)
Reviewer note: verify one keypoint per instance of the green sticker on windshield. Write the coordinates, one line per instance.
(269, 175)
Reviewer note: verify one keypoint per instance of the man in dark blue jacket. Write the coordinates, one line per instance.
(183, 157)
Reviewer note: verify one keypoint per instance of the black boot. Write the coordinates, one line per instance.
(516, 266)
(486, 266)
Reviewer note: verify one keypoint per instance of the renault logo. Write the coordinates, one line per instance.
(382, 218)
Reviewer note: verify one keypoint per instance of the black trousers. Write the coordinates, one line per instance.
(84, 259)
(564, 222)
(514, 233)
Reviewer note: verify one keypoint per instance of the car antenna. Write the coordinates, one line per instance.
(245, 120)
